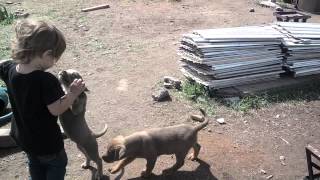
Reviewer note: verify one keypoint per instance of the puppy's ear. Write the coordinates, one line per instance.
(122, 152)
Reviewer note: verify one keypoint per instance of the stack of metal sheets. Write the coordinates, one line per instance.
(301, 47)
(227, 57)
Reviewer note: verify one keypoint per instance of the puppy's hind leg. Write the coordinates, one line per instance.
(150, 165)
(196, 149)
(92, 152)
(179, 163)
(85, 164)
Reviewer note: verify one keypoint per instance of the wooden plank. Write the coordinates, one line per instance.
(314, 149)
(103, 6)
(6, 140)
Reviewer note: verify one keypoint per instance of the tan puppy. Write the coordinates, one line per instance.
(151, 143)
(75, 126)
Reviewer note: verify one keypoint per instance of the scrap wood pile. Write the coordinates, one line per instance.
(230, 57)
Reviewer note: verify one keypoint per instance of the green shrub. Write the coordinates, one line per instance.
(5, 16)
(193, 90)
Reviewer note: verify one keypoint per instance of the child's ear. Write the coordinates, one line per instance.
(47, 53)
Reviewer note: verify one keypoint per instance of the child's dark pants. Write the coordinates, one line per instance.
(49, 167)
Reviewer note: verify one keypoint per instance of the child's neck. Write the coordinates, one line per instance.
(27, 68)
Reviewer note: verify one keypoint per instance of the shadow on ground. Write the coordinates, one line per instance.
(8, 151)
(201, 172)
(93, 173)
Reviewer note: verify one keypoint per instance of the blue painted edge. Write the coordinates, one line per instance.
(5, 119)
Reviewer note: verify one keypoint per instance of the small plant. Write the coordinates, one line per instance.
(5, 16)
(200, 95)
(193, 90)
(250, 102)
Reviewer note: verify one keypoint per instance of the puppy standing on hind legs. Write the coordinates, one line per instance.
(150, 144)
(75, 126)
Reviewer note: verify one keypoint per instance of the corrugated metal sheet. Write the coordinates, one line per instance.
(232, 56)
(302, 47)
(228, 57)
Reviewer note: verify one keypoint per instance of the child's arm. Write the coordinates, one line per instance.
(61, 105)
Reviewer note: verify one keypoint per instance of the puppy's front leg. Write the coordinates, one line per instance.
(150, 165)
(121, 164)
(194, 155)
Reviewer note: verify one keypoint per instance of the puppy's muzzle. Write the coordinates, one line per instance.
(62, 76)
(110, 157)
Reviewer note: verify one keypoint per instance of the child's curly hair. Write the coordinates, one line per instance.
(33, 38)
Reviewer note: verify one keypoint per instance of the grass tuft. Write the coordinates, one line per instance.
(201, 96)
(6, 17)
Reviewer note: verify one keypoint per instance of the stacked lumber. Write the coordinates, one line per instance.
(228, 57)
(301, 47)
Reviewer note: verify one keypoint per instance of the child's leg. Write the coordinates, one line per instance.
(48, 167)
(56, 168)
(36, 169)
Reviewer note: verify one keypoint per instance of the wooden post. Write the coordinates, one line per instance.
(104, 6)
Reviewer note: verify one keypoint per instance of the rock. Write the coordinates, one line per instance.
(161, 95)
(282, 159)
(9, 2)
(209, 130)
(277, 116)
(263, 171)
(84, 27)
(11, 158)
(251, 10)
(176, 83)
(232, 100)
(269, 177)
(197, 118)
(168, 85)
(221, 121)
(21, 14)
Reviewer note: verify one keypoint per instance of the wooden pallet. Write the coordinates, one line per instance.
(294, 16)
(312, 151)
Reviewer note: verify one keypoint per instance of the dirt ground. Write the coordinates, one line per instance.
(124, 51)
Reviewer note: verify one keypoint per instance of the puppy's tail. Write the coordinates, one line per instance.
(99, 134)
(204, 123)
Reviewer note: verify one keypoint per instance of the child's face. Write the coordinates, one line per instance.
(47, 61)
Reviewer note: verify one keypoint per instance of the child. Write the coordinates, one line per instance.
(37, 98)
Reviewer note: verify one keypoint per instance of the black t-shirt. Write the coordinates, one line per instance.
(34, 128)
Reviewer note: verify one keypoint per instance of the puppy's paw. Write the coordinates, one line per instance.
(113, 170)
(85, 165)
(191, 157)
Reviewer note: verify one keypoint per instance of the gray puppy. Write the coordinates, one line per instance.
(152, 143)
(74, 124)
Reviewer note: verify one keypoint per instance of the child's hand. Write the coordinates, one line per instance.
(77, 87)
